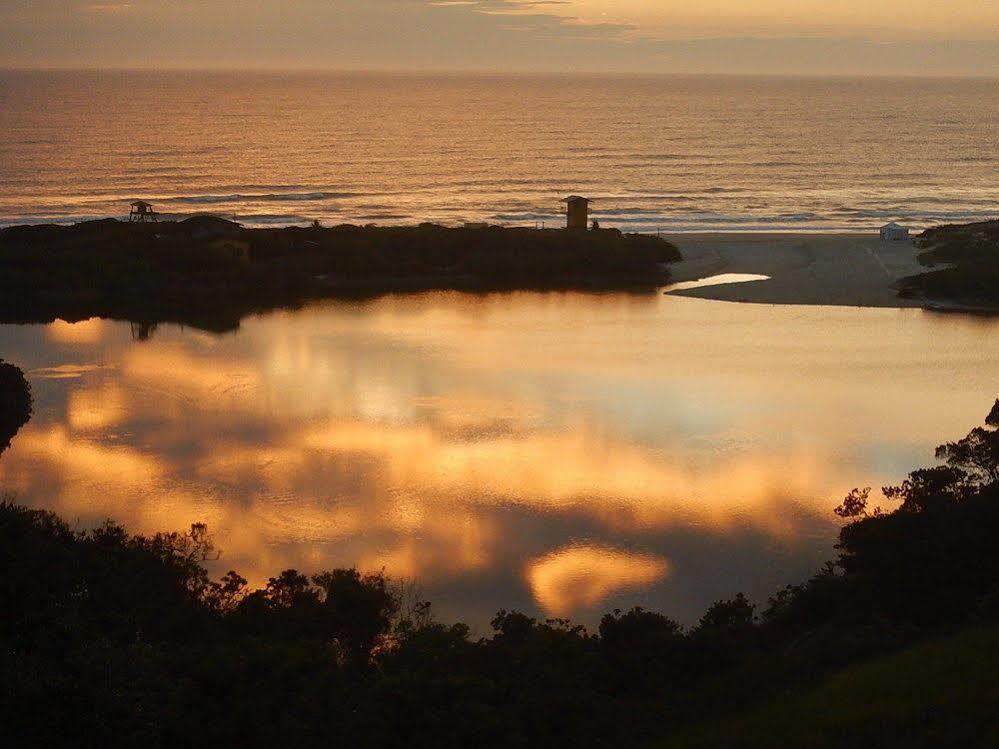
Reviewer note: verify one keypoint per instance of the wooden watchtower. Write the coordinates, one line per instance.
(141, 212)
(577, 212)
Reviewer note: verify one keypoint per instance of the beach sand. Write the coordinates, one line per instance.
(821, 269)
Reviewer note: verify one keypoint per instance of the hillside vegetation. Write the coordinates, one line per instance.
(938, 694)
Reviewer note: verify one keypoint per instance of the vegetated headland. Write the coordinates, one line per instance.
(969, 277)
(209, 272)
(114, 639)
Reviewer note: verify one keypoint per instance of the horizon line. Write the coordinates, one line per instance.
(457, 72)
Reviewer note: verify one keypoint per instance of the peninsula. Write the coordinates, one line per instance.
(210, 273)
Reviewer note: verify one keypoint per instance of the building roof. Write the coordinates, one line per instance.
(576, 199)
(893, 225)
(141, 203)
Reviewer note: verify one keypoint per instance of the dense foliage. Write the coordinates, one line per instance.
(210, 272)
(970, 256)
(15, 402)
(113, 639)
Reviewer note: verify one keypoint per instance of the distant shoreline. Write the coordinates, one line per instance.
(211, 273)
(551, 223)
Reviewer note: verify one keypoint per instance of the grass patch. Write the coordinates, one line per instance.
(942, 693)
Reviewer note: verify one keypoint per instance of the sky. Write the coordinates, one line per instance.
(882, 37)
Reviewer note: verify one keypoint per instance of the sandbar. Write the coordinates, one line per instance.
(815, 269)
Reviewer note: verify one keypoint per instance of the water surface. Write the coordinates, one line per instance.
(657, 152)
(562, 453)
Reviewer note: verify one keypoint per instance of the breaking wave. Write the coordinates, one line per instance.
(287, 197)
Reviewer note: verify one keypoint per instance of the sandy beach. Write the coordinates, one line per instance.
(819, 269)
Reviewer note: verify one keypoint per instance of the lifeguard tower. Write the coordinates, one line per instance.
(577, 212)
(141, 212)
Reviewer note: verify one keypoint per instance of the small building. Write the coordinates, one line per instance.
(577, 212)
(141, 212)
(894, 232)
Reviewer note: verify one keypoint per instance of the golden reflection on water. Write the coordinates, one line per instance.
(583, 576)
(86, 331)
(561, 451)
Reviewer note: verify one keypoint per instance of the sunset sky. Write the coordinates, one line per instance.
(766, 36)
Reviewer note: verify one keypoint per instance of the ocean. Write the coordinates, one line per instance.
(670, 154)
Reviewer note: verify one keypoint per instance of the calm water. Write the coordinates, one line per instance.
(672, 153)
(562, 453)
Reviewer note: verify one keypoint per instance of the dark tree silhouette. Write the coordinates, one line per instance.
(15, 402)
(977, 454)
(855, 504)
(734, 615)
(931, 487)
(357, 610)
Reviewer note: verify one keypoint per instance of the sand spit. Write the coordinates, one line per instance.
(820, 269)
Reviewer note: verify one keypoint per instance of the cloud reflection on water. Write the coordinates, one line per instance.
(567, 450)
(583, 576)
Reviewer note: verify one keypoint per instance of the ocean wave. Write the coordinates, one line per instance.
(784, 219)
(526, 216)
(288, 197)
(628, 211)
(908, 213)
(260, 220)
(61, 220)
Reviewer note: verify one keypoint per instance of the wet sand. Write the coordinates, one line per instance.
(820, 269)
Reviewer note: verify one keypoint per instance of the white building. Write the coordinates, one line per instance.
(894, 232)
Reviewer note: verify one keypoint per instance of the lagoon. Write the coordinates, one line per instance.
(560, 453)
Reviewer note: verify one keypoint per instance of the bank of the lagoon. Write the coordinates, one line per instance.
(210, 272)
(962, 268)
(15, 402)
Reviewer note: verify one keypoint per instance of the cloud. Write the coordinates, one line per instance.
(533, 16)
(503, 35)
(108, 8)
